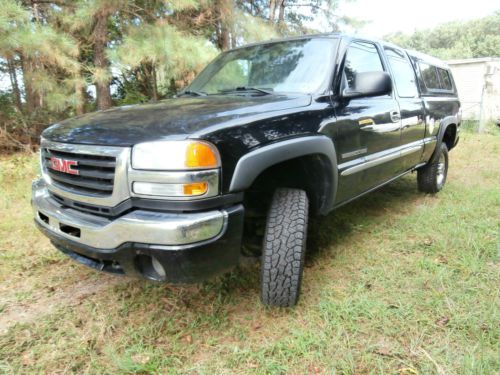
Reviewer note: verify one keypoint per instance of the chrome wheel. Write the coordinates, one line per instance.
(432, 177)
(441, 170)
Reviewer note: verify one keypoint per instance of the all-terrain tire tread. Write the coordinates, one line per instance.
(284, 247)
(426, 176)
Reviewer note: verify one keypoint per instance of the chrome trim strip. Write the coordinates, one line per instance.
(372, 161)
(350, 154)
(418, 166)
(430, 140)
(159, 228)
(120, 186)
(411, 150)
(83, 149)
(371, 189)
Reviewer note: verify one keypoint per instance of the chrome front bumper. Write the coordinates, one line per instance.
(140, 226)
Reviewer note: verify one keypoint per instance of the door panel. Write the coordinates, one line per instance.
(366, 133)
(410, 104)
(368, 130)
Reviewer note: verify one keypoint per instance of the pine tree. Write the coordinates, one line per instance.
(54, 52)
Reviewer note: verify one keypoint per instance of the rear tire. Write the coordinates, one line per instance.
(284, 248)
(432, 177)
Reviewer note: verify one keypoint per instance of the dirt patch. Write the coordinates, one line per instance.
(71, 295)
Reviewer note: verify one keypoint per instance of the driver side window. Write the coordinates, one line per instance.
(361, 57)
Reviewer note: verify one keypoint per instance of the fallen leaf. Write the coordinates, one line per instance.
(314, 370)
(384, 347)
(257, 326)
(188, 339)
(26, 359)
(408, 371)
(141, 359)
(383, 351)
(443, 321)
(441, 260)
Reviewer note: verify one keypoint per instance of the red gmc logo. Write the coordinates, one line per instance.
(63, 165)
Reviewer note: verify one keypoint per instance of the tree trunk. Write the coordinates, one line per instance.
(281, 16)
(147, 78)
(15, 85)
(223, 42)
(80, 98)
(31, 96)
(223, 11)
(154, 84)
(100, 39)
(272, 10)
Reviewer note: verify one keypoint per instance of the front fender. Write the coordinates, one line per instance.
(252, 164)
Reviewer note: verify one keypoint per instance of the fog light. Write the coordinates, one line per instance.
(158, 267)
(150, 267)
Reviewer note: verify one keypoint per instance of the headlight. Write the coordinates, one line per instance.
(174, 170)
(175, 155)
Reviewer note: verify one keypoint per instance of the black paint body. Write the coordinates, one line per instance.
(361, 130)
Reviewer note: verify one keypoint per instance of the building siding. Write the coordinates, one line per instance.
(478, 85)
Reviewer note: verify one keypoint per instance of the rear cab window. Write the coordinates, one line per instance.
(445, 79)
(403, 73)
(435, 80)
(429, 76)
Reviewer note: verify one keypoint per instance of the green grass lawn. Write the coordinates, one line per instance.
(398, 282)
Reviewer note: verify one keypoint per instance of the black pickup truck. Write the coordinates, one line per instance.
(265, 136)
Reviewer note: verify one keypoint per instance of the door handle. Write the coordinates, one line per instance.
(395, 116)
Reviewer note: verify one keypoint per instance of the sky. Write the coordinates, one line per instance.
(388, 16)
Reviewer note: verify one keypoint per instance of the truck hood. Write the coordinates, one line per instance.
(172, 118)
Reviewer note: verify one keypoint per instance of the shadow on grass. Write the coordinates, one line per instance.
(325, 235)
(218, 297)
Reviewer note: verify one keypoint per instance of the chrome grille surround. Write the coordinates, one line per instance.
(71, 189)
(124, 176)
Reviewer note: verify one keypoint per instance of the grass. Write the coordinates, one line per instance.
(397, 282)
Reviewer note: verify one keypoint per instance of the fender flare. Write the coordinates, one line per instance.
(252, 164)
(447, 121)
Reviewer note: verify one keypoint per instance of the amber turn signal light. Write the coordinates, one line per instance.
(201, 155)
(195, 188)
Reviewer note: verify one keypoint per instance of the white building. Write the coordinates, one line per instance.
(478, 84)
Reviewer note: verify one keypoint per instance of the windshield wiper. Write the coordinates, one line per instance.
(193, 93)
(246, 88)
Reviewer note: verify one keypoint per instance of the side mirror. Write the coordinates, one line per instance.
(369, 84)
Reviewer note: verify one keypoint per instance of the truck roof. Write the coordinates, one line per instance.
(418, 55)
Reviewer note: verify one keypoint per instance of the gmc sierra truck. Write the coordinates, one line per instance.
(266, 135)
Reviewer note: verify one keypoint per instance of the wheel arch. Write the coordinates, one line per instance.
(447, 134)
(312, 161)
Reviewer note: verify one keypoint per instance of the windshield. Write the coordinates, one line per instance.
(297, 66)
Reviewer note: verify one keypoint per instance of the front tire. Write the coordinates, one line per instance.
(284, 248)
(432, 177)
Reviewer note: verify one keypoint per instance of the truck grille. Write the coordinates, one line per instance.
(88, 174)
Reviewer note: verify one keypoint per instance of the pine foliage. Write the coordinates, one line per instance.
(456, 40)
(67, 57)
